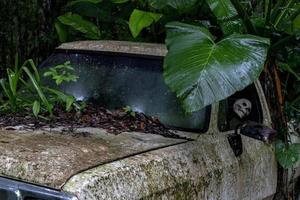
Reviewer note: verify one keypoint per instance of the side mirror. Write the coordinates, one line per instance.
(258, 131)
(253, 130)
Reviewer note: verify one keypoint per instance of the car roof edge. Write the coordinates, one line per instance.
(127, 47)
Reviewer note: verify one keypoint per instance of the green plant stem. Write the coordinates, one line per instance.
(295, 100)
(268, 8)
(276, 10)
(283, 13)
(244, 16)
(293, 72)
(297, 109)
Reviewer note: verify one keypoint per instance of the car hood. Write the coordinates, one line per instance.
(50, 158)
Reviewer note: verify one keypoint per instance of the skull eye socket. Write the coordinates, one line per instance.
(244, 104)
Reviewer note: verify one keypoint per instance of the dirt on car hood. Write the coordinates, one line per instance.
(50, 158)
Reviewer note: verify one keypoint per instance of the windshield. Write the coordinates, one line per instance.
(115, 81)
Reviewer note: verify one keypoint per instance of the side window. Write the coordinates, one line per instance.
(240, 107)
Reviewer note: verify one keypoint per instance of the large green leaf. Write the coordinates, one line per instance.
(75, 21)
(61, 31)
(140, 19)
(226, 15)
(180, 5)
(201, 71)
(222, 9)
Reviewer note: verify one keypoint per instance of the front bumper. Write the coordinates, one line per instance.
(16, 190)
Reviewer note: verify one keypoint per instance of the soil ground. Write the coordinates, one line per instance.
(114, 122)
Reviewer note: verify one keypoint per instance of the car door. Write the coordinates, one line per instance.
(204, 168)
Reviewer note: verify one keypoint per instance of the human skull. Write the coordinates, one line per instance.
(242, 107)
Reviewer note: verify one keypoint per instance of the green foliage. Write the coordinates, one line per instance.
(62, 73)
(287, 155)
(119, 1)
(39, 91)
(116, 19)
(222, 9)
(61, 31)
(72, 3)
(87, 28)
(227, 16)
(216, 47)
(193, 53)
(277, 22)
(22, 90)
(140, 20)
(129, 111)
(36, 108)
(179, 5)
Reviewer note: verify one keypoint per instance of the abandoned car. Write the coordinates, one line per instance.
(203, 162)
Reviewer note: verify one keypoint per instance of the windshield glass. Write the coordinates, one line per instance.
(116, 81)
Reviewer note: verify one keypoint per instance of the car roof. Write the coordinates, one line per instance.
(136, 48)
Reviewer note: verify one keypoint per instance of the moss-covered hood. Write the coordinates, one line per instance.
(50, 158)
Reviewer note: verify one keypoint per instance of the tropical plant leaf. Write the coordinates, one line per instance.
(226, 15)
(232, 26)
(140, 19)
(89, 29)
(222, 9)
(291, 27)
(119, 1)
(180, 5)
(288, 19)
(296, 25)
(61, 31)
(201, 71)
(69, 102)
(287, 155)
(36, 108)
(285, 10)
(72, 3)
(33, 67)
(67, 99)
(287, 68)
(39, 91)
(13, 79)
(5, 89)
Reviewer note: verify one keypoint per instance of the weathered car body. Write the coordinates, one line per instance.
(92, 164)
